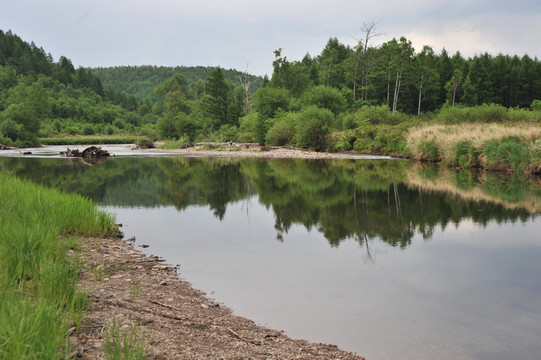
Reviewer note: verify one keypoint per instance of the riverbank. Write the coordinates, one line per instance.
(177, 321)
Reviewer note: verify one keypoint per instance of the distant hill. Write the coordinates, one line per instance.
(140, 81)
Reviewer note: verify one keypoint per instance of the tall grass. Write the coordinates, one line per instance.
(505, 147)
(39, 299)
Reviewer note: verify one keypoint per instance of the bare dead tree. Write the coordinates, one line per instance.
(246, 84)
(368, 29)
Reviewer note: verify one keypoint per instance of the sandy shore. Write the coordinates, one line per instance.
(178, 321)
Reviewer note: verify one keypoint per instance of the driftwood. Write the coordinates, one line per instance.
(89, 152)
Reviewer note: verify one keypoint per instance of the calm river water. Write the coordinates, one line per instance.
(381, 257)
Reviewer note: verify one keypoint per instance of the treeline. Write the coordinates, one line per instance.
(41, 97)
(394, 74)
(140, 81)
(363, 98)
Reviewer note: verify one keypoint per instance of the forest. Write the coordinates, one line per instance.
(369, 98)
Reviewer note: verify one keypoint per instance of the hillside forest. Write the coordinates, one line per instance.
(366, 98)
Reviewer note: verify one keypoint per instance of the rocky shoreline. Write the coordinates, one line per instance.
(178, 322)
(237, 150)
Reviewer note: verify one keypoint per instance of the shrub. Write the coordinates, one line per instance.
(484, 113)
(536, 105)
(10, 129)
(88, 129)
(363, 145)
(228, 133)
(429, 150)
(313, 128)
(110, 129)
(72, 130)
(119, 123)
(508, 154)
(248, 128)
(377, 115)
(281, 133)
(324, 97)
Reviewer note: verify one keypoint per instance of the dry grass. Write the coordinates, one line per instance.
(447, 136)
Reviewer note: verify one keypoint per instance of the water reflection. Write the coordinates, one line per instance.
(343, 199)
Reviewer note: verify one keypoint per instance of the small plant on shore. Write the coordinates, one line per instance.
(126, 345)
(135, 291)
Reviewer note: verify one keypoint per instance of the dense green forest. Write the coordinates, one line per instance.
(43, 98)
(365, 98)
(140, 81)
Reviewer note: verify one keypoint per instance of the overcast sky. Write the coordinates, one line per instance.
(244, 33)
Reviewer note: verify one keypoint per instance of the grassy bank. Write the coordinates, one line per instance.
(39, 299)
(509, 147)
(85, 140)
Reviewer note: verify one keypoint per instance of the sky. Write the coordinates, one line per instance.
(243, 34)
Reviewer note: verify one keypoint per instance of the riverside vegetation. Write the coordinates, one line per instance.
(371, 98)
(40, 234)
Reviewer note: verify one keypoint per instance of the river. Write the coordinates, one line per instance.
(385, 258)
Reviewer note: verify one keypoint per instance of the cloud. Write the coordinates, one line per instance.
(238, 32)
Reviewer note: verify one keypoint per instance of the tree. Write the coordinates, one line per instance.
(325, 97)
(453, 85)
(426, 78)
(367, 61)
(217, 101)
(267, 102)
(331, 63)
(396, 59)
(313, 127)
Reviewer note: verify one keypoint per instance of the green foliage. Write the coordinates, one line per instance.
(282, 132)
(482, 113)
(536, 105)
(227, 133)
(465, 154)
(175, 144)
(141, 81)
(39, 298)
(10, 129)
(509, 153)
(324, 97)
(429, 151)
(313, 128)
(268, 100)
(248, 127)
(88, 129)
(376, 115)
(85, 140)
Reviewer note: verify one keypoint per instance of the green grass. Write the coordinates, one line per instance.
(39, 299)
(127, 345)
(82, 140)
(172, 144)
